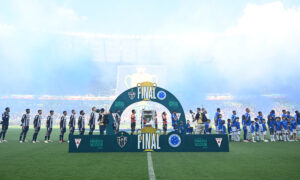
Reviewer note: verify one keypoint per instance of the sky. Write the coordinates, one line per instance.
(66, 47)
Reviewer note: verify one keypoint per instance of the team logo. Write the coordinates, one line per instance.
(161, 95)
(77, 142)
(174, 140)
(219, 141)
(122, 141)
(131, 94)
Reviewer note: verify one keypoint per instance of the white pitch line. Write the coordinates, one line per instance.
(150, 167)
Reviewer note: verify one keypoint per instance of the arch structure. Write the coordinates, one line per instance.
(145, 91)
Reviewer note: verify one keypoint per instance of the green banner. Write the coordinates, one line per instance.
(173, 142)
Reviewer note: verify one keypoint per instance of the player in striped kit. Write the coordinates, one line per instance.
(72, 122)
(81, 120)
(49, 125)
(25, 125)
(37, 125)
(92, 121)
(63, 125)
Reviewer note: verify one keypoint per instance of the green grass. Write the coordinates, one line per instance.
(279, 160)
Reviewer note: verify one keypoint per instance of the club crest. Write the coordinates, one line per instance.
(219, 141)
(122, 141)
(77, 142)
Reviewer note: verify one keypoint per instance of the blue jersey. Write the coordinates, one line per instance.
(293, 124)
(298, 120)
(229, 127)
(181, 129)
(233, 118)
(284, 124)
(219, 124)
(291, 128)
(248, 119)
(216, 118)
(252, 128)
(264, 127)
(256, 126)
(174, 119)
(278, 125)
(223, 129)
(259, 119)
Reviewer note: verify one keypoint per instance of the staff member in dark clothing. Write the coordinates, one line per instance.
(102, 121)
(92, 121)
(37, 125)
(49, 124)
(25, 125)
(81, 125)
(62, 125)
(4, 122)
(72, 122)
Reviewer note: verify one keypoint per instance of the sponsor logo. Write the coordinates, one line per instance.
(122, 141)
(77, 142)
(131, 94)
(219, 141)
(119, 104)
(200, 142)
(173, 104)
(97, 143)
(161, 95)
(174, 140)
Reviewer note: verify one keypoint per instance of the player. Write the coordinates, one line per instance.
(92, 121)
(284, 129)
(72, 123)
(271, 124)
(181, 128)
(81, 122)
(260, 118)
(62, 125)
(223, 127)
(293, 132)
(278, 127)
(175, 121)
(252, 130)
(37, 125)
(229, 129)
(117, 120)
(49, 124)
(238, 127)
(5, 123)
(25, 125)
(216, 118)
(165, 123)
(257, 129)
(264, 130)
(133, 121)
(297, 118)
(219, 124)
(248, 123)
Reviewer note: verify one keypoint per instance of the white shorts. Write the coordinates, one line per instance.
(238, 132)
(253, 134)
(265, 133)
(284, 131)
(298, 127)
(291, 133)
(233, 129)
(278, 132)
(260, 128)
(294, 131)
(248, 129)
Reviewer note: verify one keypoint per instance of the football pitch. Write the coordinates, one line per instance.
(280, 160)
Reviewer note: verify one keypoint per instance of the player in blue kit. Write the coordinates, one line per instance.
(233, 126)
(229, 129)
(207, 127)
(271, 124)
(216, 118)
(174, 121)
(260, 118)
(223, 127)
(278, 127)
(238, 128)
(252, 130)
(297, 118)
(219, 124)
(284, 130)
(257, 129)
(248, 123)
(293, 132)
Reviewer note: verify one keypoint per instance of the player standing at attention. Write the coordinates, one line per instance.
(72, 123)
(49, 124)
(233, 126)
(284, 129)
(297, 118)
(223, 127)
(5, 123)
(229, 129)
(165, 123)
(219, 124)
(278, 127)
(207, 127)
(293, 132)
(117, 120)
(238, 127)
(133, 121)
(248, 122)
(81, 123)
(25, 125)
(92, 121)
(189, 129)
(63, 125)
(216, 118)
(271, 123)
(174, 121)
(264, 128)
(37, 125)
